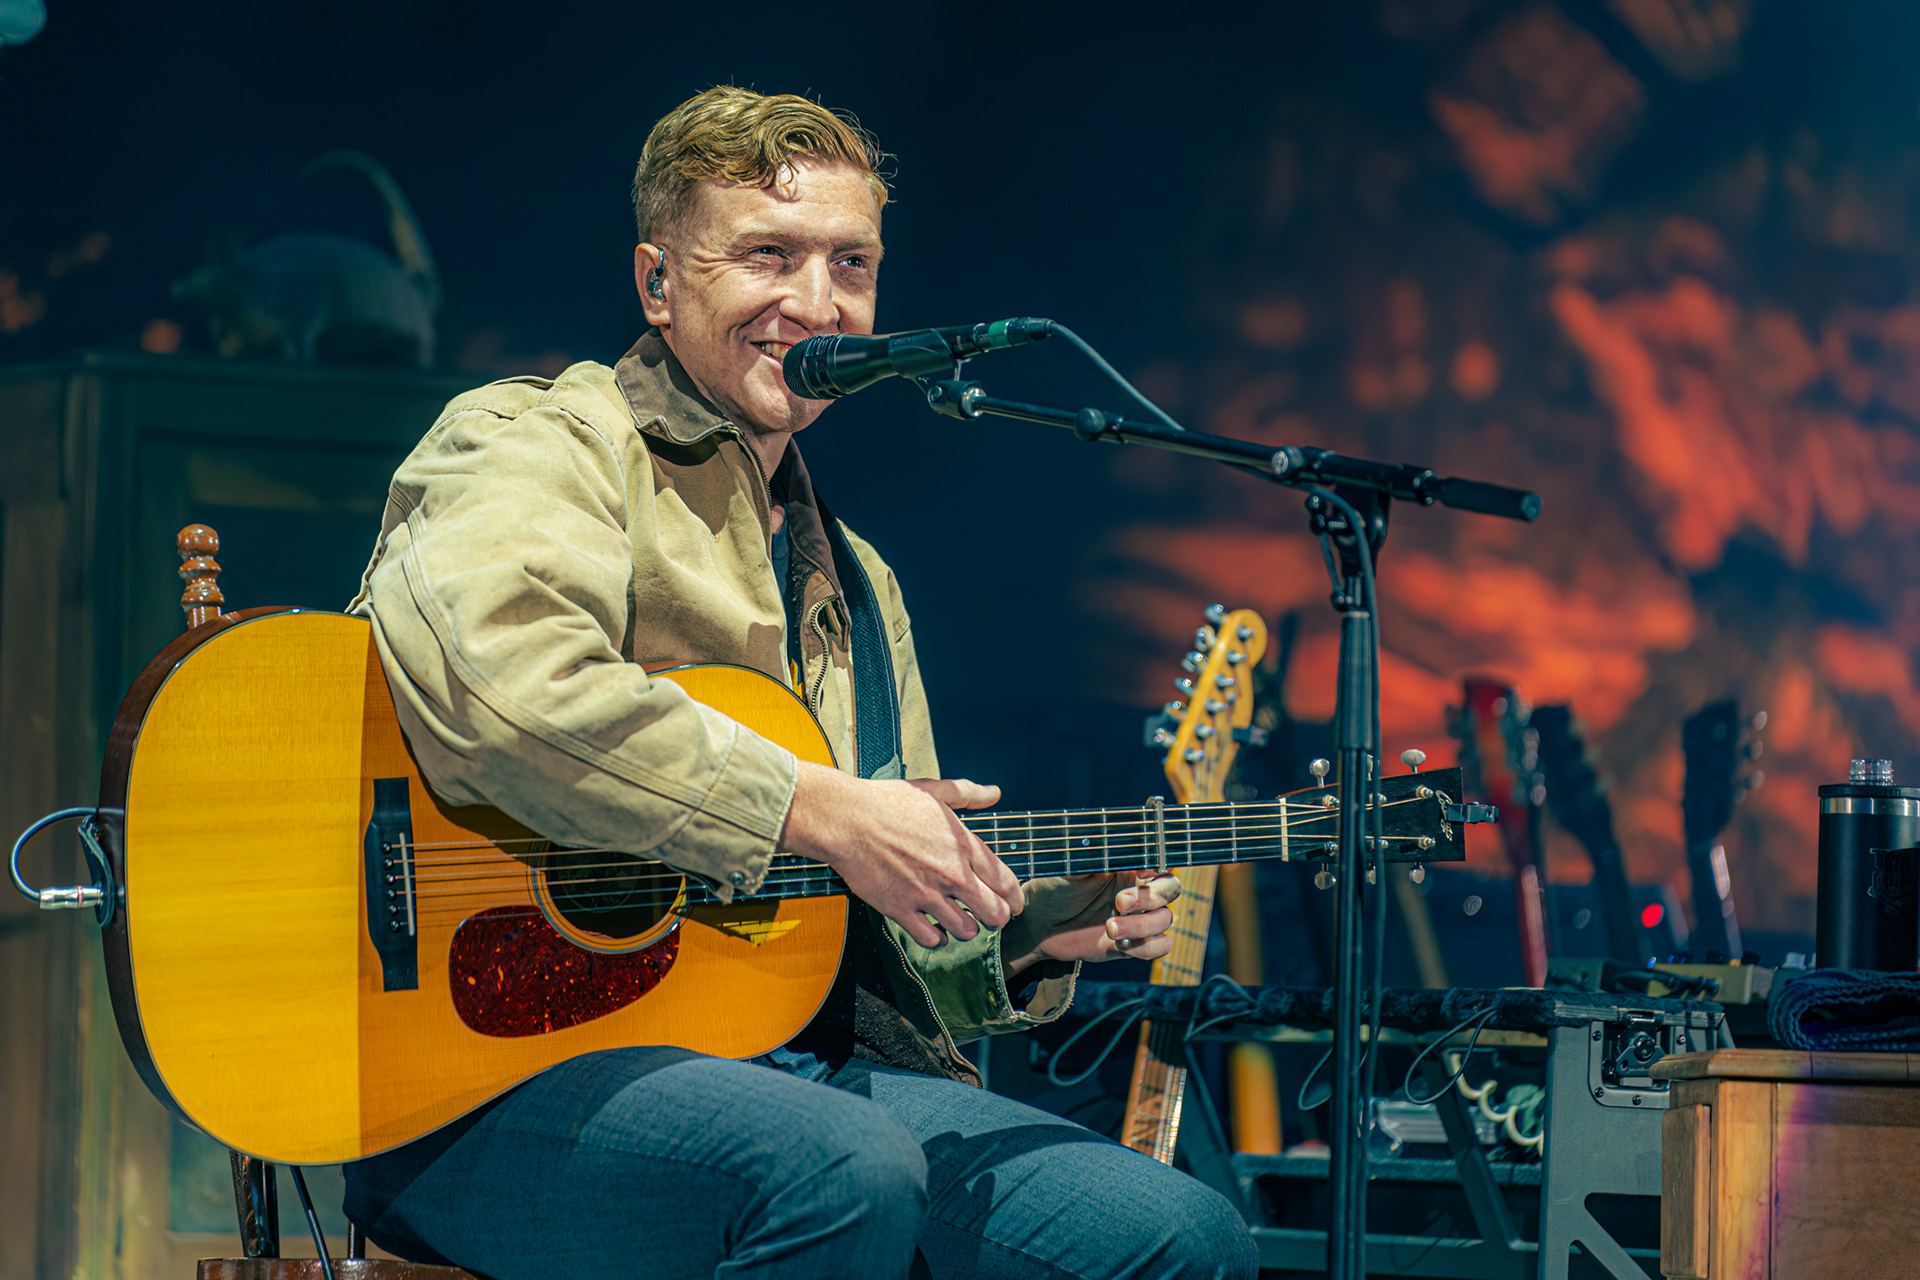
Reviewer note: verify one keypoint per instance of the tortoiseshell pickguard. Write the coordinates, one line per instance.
(513, 974)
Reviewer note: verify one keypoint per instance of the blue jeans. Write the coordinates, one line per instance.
(657, 1162)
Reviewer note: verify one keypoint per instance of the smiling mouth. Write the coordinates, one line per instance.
(775, 351)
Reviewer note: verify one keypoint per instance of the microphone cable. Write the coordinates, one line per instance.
(1100, 362)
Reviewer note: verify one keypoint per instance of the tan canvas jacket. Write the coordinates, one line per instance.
(549, 542)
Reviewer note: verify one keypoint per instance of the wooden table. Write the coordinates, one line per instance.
(1784, 1165)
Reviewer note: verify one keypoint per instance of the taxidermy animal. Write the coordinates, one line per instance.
(318, 296)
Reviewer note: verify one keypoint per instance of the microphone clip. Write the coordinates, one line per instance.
(952, 397)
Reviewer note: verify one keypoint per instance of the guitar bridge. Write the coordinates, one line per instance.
(392, 901)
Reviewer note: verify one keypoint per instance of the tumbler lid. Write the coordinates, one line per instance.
(1875, 772)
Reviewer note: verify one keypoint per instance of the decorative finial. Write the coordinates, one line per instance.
(201, 600)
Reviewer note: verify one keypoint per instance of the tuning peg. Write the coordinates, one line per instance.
(1753, 750)
(1184, 685)
(1413, 758)
(1320, 769)
(1419, 873)
(1175, 709)
(1203, 731)
(1752, 782)
(1324, 879)
(1216, 614)
(1235, 657)
(1194, 661)
(1203, 639)
(1373, 876)
(1224, 682)
(1162, 738)
(1193, 755)
(1214, 706)
(1758, 722)
(1245, 633)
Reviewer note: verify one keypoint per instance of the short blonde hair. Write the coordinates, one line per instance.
(744, 137)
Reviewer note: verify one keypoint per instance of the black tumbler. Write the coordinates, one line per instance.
(1869, 905)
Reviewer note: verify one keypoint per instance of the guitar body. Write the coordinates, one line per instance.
(248, 763)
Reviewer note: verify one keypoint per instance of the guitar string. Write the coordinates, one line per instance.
(818, 878)
(1054, 861)
(629, 876)
(822, 882)
(1043, 820)
(1180, 956)
(1185, 816)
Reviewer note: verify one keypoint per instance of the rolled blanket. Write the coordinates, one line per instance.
(1404, 1008)
(1848, 1009)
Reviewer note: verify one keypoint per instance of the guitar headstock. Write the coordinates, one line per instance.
(1421, 817)
(1717, 742)
(1576, 793)
(1499, 752)
(1215, 706)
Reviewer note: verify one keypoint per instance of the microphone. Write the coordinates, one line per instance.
(839, 364)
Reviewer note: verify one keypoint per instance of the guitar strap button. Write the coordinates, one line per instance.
(736, 878)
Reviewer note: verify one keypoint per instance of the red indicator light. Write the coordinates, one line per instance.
(1653, 914)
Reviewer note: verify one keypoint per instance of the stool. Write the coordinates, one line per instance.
(1781, 1164)
(255, 1187)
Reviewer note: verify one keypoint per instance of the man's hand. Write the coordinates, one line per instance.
(1096, 917)
(901, 850)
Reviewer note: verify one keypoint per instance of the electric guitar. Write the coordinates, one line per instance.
(1711, 742)
(1218, 707)
(1497, 758)
(1577, 798)
(314, 958)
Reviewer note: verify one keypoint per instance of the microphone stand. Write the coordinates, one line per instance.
(1348, 500)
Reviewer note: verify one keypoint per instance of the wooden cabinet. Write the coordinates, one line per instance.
(102, 460)
(1780, 1165)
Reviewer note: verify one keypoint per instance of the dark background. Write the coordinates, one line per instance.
(1262, 212)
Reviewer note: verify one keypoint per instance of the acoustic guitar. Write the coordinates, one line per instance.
(313, 958)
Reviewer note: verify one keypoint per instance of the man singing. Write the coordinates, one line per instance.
(543, 547)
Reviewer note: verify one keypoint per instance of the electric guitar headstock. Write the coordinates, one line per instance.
(1717, 743)
(1499, 752)
(1215, 707)
(1576, 793)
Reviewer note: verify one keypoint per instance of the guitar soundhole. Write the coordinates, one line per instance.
(611, 896)
(513, 974)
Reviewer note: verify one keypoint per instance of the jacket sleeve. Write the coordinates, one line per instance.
(499, 600)
(966, 981)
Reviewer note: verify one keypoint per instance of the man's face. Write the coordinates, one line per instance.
(753, 270)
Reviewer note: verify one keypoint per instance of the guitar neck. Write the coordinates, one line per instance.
(1072, 842)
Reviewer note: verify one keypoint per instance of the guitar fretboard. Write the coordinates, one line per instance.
(1069, 842)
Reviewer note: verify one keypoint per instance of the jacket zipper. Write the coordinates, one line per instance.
(947, 1041)
(826, 655)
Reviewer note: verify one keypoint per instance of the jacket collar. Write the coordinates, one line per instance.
(662, 397)
(806, 518)
(665, 402)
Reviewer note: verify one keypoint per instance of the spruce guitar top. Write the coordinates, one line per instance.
(407, 959)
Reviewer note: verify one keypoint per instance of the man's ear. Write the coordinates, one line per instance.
(650, 278)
